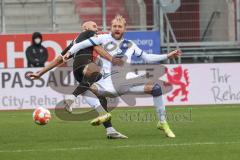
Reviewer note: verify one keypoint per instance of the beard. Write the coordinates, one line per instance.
(117, 36)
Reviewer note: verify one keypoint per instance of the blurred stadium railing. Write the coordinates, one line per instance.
(205, 30)
(205, 21)
(26, 16)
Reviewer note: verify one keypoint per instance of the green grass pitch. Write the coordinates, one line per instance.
(203, 132)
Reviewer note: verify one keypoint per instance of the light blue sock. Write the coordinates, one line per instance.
(160, 108)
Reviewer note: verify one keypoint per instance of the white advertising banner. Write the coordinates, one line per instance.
(205, 84)
(193, 84)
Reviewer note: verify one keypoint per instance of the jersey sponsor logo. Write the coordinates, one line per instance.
(179, 78)
(122, 47)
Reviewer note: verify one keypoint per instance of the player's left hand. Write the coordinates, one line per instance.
(117, 61)
(174, 54)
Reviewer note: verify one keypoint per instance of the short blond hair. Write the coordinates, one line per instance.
(119, 18)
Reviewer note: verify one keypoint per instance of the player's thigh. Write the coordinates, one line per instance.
(136, 88)
(103, 89)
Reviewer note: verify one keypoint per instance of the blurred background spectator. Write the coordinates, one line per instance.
(36, 54)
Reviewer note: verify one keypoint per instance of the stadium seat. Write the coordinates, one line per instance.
(91, 10)
(35, 15)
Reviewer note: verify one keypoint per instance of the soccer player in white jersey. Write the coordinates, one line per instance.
(116, 45)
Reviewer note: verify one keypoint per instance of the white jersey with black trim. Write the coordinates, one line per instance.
(115, 47)
(119, 48)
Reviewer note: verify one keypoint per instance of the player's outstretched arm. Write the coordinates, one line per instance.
(103, 53)
(157, 58)
(57, 61)
(76, 47)
(93, 41)
(153, 58)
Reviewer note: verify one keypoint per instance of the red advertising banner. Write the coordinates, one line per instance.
(13, 47)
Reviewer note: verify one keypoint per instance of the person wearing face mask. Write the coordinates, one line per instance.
(36, 54)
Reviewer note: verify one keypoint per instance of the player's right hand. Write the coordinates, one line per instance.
(66, 57)
(34, 76)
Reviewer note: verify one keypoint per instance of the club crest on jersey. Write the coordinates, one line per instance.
(125, 44)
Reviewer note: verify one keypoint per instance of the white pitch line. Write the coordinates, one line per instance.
(119, 147)
(134, 109)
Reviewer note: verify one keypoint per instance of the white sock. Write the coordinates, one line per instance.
(93, 101)
(74, 99)
(160, 108)
(110, 130)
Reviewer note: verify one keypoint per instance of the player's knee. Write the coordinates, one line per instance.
(90, 69)
(92, 72)
(94, 89)
(156, 90)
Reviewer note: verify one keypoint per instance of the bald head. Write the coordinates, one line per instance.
(89, 25)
